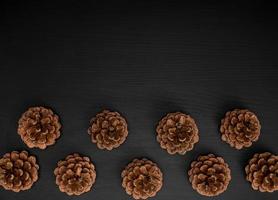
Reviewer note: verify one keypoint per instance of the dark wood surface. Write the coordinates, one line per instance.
(143, 60)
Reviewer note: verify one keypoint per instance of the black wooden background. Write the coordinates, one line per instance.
(142, 59)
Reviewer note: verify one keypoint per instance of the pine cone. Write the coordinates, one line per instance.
(142, 179)
(18, 171)
(177, 133)
(108, 130)
(262, 172)
(39, 127)
(240, 128)
(75, 175)
(209, 175)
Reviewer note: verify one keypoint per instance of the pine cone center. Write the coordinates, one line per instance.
(112, 132)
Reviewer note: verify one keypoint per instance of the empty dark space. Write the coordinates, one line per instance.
(143, 59)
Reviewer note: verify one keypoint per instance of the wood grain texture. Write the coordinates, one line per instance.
(144, 60)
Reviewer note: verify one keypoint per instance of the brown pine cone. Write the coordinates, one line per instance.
(209, 175)
(177, 133)
(75, 175)
(18, 171)
(108, 130)
(262, 172)
(240, 128)
(142, 179)
(39, 127)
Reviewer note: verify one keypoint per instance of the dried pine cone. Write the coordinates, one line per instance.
(142, 179)
(177, 133)
(18, 171)
(262, 172)
(108, 130)
(75, 175)
(240, 128)
(209, 175)
(39, 127)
